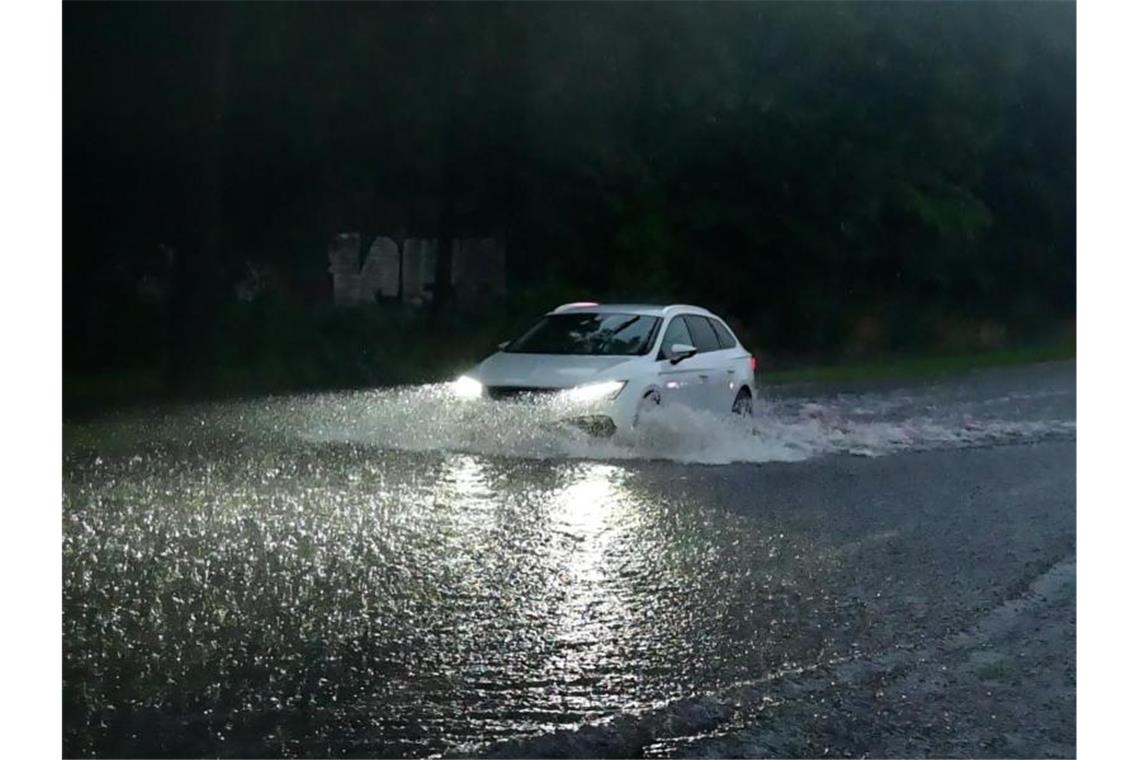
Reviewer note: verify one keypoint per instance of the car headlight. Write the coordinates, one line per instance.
(596, 391)
(467, 387)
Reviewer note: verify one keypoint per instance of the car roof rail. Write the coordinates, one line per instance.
(679, 306)
(574, 305)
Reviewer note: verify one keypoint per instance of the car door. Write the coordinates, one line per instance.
(708, 364)
(737, 361)
(680, 382)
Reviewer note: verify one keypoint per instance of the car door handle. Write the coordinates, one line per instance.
(704, 378)
(731, 371)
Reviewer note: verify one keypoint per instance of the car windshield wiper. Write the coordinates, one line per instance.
(625, 324)
(606, 337)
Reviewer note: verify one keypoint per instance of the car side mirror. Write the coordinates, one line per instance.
(680, 351)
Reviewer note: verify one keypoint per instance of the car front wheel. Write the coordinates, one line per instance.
(651, 400)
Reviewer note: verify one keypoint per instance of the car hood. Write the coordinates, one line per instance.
(546, 370)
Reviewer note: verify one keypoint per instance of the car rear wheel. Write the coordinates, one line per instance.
(742, 406)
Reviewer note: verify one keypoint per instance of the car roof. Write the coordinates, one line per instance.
(654, 310)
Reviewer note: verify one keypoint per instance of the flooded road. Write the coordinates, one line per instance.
(390, 573)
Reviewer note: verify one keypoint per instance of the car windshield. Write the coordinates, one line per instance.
(588, 334)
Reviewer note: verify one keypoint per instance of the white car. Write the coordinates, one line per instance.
(602, 366)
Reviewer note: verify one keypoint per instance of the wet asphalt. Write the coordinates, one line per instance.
(234, 588)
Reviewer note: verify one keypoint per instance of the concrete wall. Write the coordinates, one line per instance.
(478, 269)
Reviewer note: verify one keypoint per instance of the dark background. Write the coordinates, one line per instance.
(838, 180)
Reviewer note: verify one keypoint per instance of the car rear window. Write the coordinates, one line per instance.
(704, 338)
(722, 334)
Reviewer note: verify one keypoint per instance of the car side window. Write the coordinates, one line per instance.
(676, 332)
(722, 334)
(704, 338)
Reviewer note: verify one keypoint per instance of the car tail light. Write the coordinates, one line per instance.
(755, 364)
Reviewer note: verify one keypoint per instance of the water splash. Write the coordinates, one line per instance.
(788, 429)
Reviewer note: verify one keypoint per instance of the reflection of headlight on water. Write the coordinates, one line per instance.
(596, 391)
(467, 387)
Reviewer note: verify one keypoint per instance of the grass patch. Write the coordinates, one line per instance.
(921, 366)
(112, 387)
(358, 349)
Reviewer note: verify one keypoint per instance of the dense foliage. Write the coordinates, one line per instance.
(831, 176)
